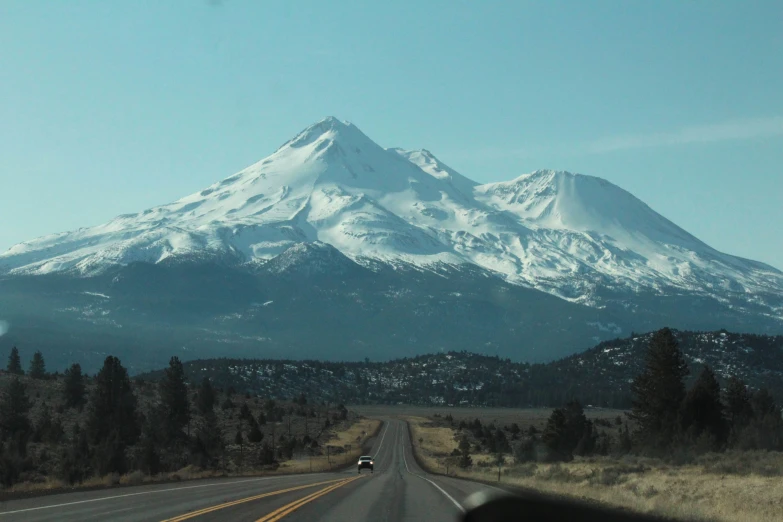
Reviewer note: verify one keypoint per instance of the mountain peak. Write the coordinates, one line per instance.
(426, 161)
(567, 201)
(329, 129)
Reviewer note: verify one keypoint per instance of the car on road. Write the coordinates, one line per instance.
(366, 462)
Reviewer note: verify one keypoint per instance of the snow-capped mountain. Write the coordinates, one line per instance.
(578, 237)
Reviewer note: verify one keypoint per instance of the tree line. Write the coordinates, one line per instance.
(666, 419)
(116, 425)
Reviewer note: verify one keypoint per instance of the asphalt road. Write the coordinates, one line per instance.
(397, 490)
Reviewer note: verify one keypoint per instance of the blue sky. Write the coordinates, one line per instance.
(113, 107)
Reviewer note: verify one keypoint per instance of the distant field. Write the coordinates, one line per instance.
(524, 417)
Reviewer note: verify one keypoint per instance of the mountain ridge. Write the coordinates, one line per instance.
(599, 376)
(334, 246)
(332, 183)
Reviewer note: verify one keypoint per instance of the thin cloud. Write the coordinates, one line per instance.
(495, 152)
(717, 132)
(728, 131)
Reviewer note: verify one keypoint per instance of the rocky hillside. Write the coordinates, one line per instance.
(600, 376)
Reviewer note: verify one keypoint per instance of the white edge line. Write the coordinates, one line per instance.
(136, 494)
(380, 445)
(405, 460)
(459, 506)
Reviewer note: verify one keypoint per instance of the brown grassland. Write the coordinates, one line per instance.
(733, 486)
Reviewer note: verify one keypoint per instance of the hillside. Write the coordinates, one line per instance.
(600, 376)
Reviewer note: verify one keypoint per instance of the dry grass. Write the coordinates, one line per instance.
(433, 443)
(47, 484)
(745, 486)
(347, 444)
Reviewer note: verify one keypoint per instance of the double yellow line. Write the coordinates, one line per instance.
(204, 511)
(279, 513)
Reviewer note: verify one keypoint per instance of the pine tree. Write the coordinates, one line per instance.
(208, 443)
(568, 432)
(75, 456)
(579, 431)
(174, 397)
(255, 434)
(525, 450)
(150, 456)
(14, 409)
(244, 412)
(555, 436)
(15, 362)
(625, 440)
(765, 431)
(659, 390)
(738, 408)
(701, 413)
(112, 405)
(267, 455)
(109, 454)
(501, 442)
(43, 425)
(465, 460)
(206, 397)
(73, 387)
(37, 366)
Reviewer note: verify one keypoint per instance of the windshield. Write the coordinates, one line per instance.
(386, 260)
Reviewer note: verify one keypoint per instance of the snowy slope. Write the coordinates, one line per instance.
(577, 237)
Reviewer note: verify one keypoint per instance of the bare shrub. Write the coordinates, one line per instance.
(763, 463)
(524, 470)
(608, 477)
(556, 472)
(134, 478)
(682, 457)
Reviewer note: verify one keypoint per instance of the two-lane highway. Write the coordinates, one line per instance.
(398, 490)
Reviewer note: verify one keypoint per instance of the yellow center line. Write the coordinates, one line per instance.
(279, 513)
(243, 500)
